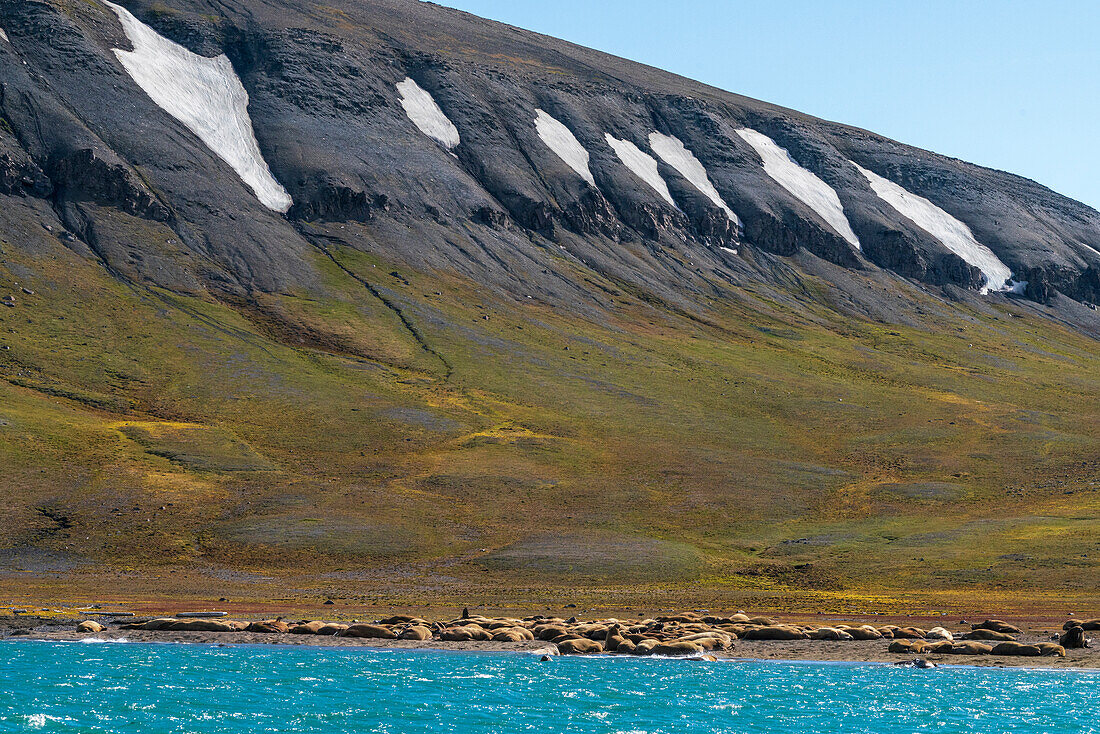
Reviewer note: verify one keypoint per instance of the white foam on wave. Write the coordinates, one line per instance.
(954, 235)
(39, 721)
(565, 145)
(803, 184)
(422, 109)
(207, 96)
(111, 640)
(641, 164)
(673, 152)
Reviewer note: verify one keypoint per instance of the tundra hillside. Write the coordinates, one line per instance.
(381, 301)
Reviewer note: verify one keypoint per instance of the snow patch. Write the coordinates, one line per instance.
(206, 96)
(673, 152)
(643, 165)
(565, 145)
(954, 235)
(730, 250)
(1090, 248)
(426, 114)
(4, 36)
(803, 184)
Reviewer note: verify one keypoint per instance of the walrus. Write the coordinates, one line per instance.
(712, 640)
(987, 634)
(1074, 639)
(401, 619)
(369, 631)
(677, 647)
(207, 625)
(465, 633)
(707, 642)
(626, 647)
(416, 632)
(506, 623)
(996, 625)
(830, 633)
(970, 648)
(908, 647)
(89, 626)
(547, 632)
(915, 663)
(781, 632)
(764, 621)
(269, 626)
(580, 646)
(1017, 649)
(613, 638)
(150, 624)
(512, 634)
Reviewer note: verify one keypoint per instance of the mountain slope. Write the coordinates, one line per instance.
(482, 309)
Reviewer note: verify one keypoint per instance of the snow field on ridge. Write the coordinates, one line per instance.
(422, 109)
(565, 145)
(642, 165)
(673, 152)
(206, 96)
(954, 235)
(803, 184)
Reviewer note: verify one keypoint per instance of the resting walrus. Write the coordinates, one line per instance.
(1074, 638)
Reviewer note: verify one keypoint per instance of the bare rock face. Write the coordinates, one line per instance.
(501, 205)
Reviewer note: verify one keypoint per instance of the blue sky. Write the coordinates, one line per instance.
(1010, 84)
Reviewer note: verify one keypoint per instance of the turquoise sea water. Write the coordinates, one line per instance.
(108, 687)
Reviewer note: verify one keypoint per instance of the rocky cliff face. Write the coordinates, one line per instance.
(502, 206)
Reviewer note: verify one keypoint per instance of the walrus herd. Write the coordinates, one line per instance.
(685, 634)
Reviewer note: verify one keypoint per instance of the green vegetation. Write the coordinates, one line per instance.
(168, 444)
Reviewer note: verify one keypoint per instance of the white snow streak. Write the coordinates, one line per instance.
(643, 165)
(803, 184)
(954, 235)
(426, 115)
(565, 145)
(1090, 248)
(205, 95)
(673, 152)
(4, 35)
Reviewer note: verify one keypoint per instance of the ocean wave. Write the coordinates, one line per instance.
(39, 721)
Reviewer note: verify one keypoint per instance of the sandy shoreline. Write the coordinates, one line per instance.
(750, 650)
